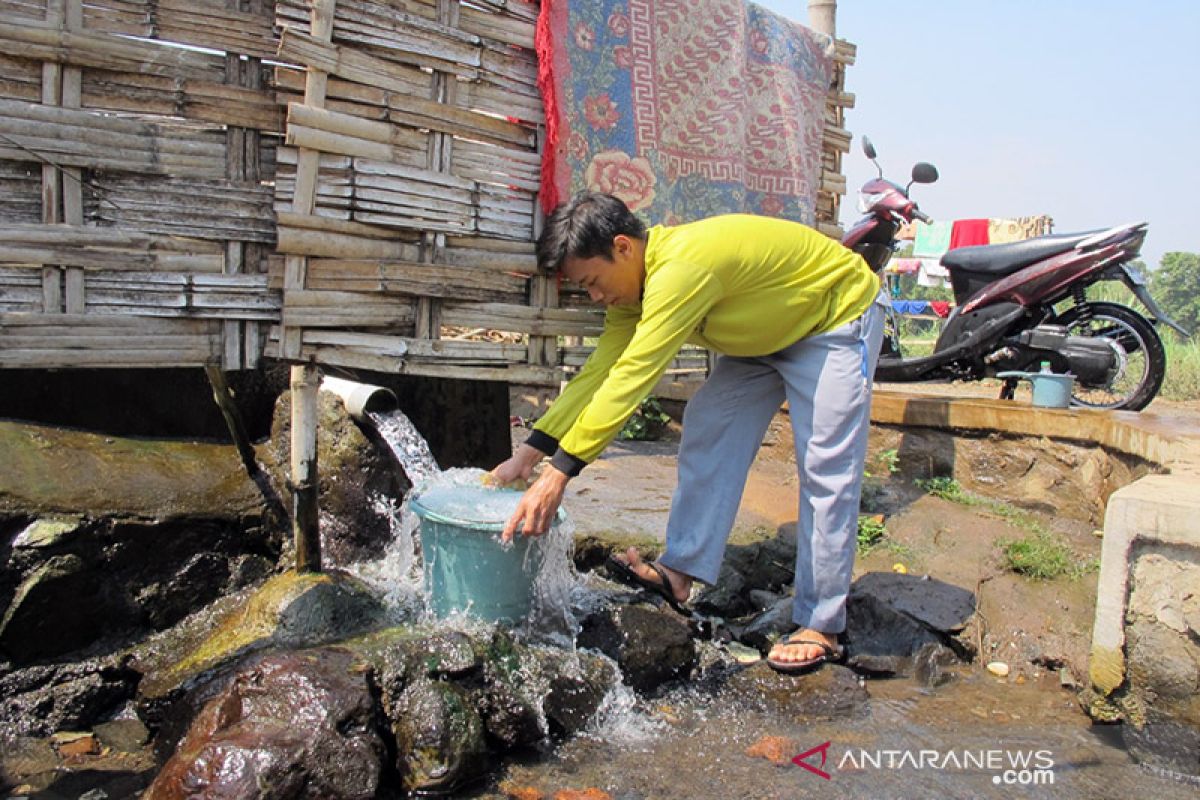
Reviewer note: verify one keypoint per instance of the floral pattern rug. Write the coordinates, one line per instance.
(682, 108)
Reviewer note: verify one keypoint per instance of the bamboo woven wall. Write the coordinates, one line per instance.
(134, 223)
(368, 200)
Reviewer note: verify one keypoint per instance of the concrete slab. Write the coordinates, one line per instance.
(1157, 513)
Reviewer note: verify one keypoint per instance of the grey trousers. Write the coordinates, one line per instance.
(826, 380)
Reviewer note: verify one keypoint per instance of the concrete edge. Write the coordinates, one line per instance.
(1156, 508)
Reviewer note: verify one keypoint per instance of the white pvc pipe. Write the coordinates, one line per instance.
(360, 398)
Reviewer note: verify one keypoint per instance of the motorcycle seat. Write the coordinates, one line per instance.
(1004, 259)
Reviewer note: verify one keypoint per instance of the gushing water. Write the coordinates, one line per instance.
(407, 444)
(559, 595)
(459, 494)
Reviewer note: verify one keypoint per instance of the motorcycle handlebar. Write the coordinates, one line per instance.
(922, 217)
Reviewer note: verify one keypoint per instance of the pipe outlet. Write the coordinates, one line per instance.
(361, 398)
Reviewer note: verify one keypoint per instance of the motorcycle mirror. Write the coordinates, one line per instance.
(923, 172)
(868, 148)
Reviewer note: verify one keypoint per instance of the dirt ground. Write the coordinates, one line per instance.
(1035, 626)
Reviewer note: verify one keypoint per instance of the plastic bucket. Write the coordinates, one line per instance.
(1049, 390)
(466, 566)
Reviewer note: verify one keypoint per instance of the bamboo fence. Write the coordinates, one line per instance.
(339, 182)
(136, 160)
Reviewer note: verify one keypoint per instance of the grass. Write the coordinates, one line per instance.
(871, 531)
(1039, 555)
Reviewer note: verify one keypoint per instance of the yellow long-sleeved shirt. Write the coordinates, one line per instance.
(738, 284)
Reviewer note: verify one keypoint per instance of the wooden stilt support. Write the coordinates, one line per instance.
(233, 418)
(306, 530)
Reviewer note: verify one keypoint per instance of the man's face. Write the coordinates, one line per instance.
(611, 283)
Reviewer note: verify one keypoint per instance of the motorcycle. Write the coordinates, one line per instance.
(1023, 305)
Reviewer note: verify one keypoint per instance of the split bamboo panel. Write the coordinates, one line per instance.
(40, 42)
(201, 209)
(50, 341)
(410, 356)
(194, 296)
(249, 33)
(410, 278)
(79, 138)
(20, 193)
(126, 17)
(198, 100)
(99, 248)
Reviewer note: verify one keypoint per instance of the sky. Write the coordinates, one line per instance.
(1085, 110)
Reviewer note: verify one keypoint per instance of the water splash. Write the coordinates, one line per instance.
(407, 444)
(397, 575)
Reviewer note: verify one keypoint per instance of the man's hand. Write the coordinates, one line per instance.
(517, 468)
(538, 505)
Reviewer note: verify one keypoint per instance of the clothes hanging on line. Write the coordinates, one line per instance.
(932, 240)
(968, 233)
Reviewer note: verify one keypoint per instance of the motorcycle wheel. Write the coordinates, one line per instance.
(1143, 361)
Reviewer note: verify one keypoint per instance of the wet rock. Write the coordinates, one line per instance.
(23, 756)
(449, 654)
(171, 600)
(297, 725)
(762, 631)
(931, 663)
(75, 744)
(881, 638)
(47, 532)
(576, 690)
(46, 617)
(829, 691)
(761, 599)
(290, 610)
(998, 668)
(935, 604)
(650, 646)
(725, 597)
(123, 735)
(356, 476)
(439, 737)
(767, 565)
(510, 700)
(38, 700)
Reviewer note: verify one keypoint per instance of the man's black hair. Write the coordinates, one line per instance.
(584, 227)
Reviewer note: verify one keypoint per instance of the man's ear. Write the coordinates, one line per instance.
(622, 244)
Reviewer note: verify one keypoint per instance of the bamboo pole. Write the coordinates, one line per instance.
(306, 530)
(233, 418)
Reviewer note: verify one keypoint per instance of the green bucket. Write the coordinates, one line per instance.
(466, 566)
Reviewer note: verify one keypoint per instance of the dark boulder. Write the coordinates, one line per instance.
(890, 617)
(39, 700)
(295, 725)
(650, 646)
(439, 737)
(577, 689)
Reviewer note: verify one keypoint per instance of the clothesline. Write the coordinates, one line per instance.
(941, 308)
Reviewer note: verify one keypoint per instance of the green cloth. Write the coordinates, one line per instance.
(932, 240)
(738, 284)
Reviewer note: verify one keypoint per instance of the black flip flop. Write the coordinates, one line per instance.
(800, 667)
(623, 573)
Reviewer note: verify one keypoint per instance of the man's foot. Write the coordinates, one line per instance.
(804, 650)
(672, 585)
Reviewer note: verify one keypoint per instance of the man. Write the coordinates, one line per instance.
(794, 314)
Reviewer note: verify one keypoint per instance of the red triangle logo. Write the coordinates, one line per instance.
(823, 749)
